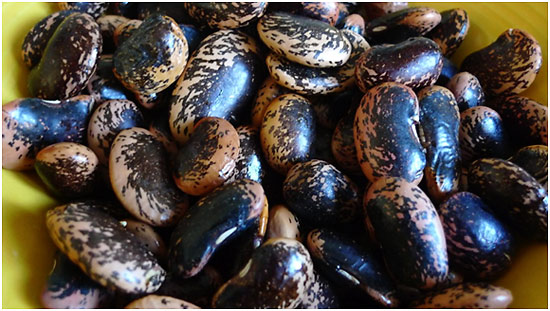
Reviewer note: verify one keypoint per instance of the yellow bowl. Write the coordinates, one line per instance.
(27, 249)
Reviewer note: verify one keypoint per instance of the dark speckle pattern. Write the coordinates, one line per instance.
(37, 38)
(221, 215)
(320, 295)
(327, 12)
(309, 81)
(175, 10)
(147, 236)
(103, 85)
(287, 132)
(467, 295)
(108, 24)
(451, 31)
(409, 232)
(68, 287)
(125, 30)
(513, 194)
(439, 123)
(140, 177)
(220, 80)
(95, 9)
(373, 10)
(343, 145)
(30, 124)
(507, 66)
(69, 59)
(107, 121)
(226, 15)
(70, 170)
(153, 57)
(467, 90)
(416, 63)
(103, 249)
(304, 40)
(401, 25)
(479, 244)
(268, 91)
(329, 109)
(320, 194)
(525, 120)
(250, 163)
(160, 302)
(534, 160)
(207, 160)
(385, 136)
(277, 276)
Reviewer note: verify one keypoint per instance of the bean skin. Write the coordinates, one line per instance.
(209, 157)
(467, 295)
(69, 59)
(30, 124)
(224, 213)
(385, 136)
(451, 31)
(400, 25)
(160, 302)
(287, 132)
(140, 177)
(512, 193)
(103, 249)
(70, 170)
(277, 276)
(482, 134)
(507, 66)
(416, 63)
(408, 229)
(479, 244)
(440, 121)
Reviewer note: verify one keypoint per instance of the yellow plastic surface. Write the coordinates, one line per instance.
(27, 249)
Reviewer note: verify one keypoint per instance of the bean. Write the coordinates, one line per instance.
(507, 66)
(30, 124)
(69, 59)
(277, 276)
(70, 170)
(216, 85)
(103, 249)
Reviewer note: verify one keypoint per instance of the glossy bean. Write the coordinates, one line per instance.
(287, 132)
(140, 177)
(277, 276)
(440, 121)
(385, 136)
(30, 124)
(408, 229)
(70, 170)
(103, 249)
(224, 213)
(513, 194)
(208, 159)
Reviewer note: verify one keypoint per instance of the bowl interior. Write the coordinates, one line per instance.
(28, 252)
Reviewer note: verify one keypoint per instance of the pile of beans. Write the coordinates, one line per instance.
(282, 155)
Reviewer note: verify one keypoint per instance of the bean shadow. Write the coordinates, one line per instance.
(32, 180)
